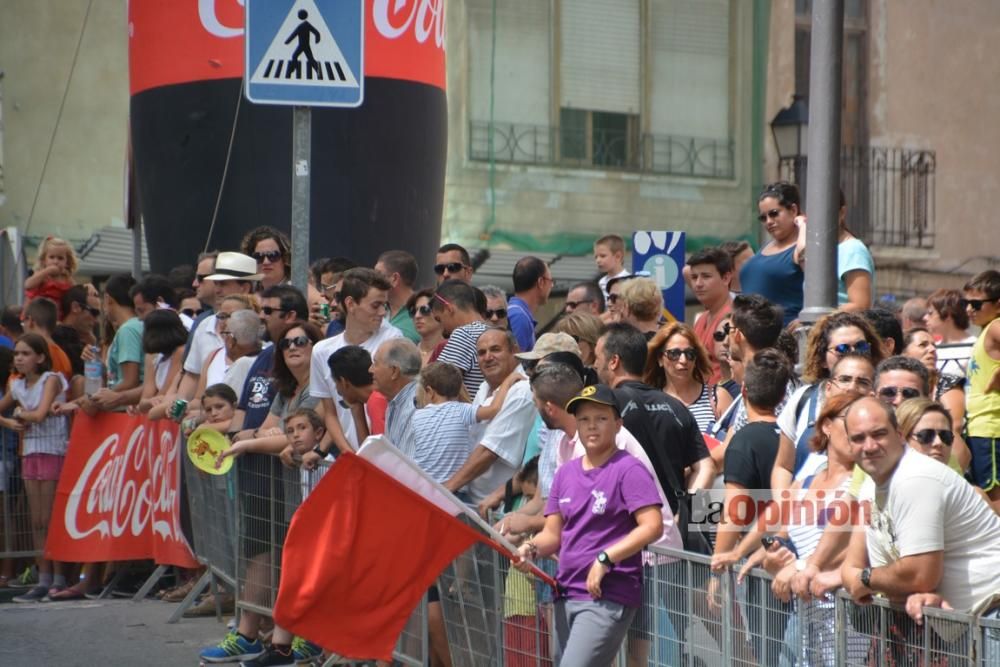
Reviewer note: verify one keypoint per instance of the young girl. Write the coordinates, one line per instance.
(44, 446)
(54, 271)
(218, 405)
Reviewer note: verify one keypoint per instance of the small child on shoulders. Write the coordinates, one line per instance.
(54, 272)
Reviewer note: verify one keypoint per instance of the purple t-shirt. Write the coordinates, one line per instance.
(597, 507)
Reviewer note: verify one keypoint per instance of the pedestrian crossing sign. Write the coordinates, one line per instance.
(305, 52)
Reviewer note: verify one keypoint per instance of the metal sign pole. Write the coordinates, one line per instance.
(301, 161)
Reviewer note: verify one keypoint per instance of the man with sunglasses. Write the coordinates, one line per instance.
(400, 269)
(452, 262)
(899, 378)
(81, 308)
(982, 303)
(586, 297)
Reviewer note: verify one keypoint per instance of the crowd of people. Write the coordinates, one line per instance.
(587, 440)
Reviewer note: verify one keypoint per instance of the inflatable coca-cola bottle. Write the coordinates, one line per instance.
(377, 172)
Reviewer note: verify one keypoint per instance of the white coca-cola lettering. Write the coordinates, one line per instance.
(107, 500)
(426, 17)
(210, 20)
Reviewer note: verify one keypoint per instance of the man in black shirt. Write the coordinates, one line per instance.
(663, 425)
(747, 466)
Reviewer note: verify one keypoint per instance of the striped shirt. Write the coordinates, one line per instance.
(702, 410)
(399, 419)
(51, 435)
(460, 351)
(441, 438)
(953, 358)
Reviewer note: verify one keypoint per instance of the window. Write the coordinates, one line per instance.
(640, 85)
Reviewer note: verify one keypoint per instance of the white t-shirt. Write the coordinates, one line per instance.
(793, 428)
(953, 358)
(926, 506)
(321, 380)
(204, 342)
(505, 435)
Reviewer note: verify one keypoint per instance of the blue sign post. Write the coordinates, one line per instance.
(305, 52)
(661, 255)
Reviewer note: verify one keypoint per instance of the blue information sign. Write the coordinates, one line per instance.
(305, 52)
(661, 255)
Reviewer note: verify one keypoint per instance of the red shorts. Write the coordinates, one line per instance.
(42, 467)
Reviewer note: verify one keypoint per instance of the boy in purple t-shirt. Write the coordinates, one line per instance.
(602, 510)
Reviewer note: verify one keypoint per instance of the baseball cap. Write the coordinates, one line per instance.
(595, 393)
(549, 343)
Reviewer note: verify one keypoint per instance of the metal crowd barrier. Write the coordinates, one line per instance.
(16, 536)
(495, 615)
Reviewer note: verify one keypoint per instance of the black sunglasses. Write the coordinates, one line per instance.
(200, 277)
(271, 256)
(268, 310)
(424, 310)
(297, 341)
(861, 347)
(191, 312)
(773, 213)
(674, 353)
(927, 435)
(498, 314)
(613, 298)
(451, 267)
(975, 304)
(720, 336)
(223, 316)
(890, 393)
(573, 305)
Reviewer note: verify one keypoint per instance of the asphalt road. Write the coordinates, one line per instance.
(101, 632)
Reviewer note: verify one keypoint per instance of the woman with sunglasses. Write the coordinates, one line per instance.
(775, 272)
(678, 364)
(946, 388)
(428, 328)
(273, 252)
(833, 337)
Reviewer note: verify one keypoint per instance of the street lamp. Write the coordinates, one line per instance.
(790, 128)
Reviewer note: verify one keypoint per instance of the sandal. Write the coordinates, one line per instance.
(67, 594)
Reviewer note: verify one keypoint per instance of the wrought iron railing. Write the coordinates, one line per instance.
(604, 149)
(890, 193)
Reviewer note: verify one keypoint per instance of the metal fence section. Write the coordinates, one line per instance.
(17, 531)
(890, 193)
(602, 148)
(212, 507)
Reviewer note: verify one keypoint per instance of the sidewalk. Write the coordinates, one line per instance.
(102, 632)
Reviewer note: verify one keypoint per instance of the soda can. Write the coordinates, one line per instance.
(324, 310)
(178, 409)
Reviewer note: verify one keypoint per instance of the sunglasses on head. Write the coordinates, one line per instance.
(268, 310)
(297, 341)
(271, 256)
(424, 310)
(497, 314)
(720, 336)
(891, 392)
(926, 436)
(861, 347)
(674, 353)
(773, 213)
(450, 267)
(975, 304)
(191, 312)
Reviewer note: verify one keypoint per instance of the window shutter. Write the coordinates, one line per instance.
(600, 55)
(690, 68)
(522, 83)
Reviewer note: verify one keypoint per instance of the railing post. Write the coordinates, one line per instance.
(727, 625)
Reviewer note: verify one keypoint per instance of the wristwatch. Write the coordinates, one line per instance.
(800, 565)
(866, 577)
(319, 452)
(604, 559)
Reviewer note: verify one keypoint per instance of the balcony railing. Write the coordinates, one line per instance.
(606, 149)
(889, 191)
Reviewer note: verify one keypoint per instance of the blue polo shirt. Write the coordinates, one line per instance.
(522, 324)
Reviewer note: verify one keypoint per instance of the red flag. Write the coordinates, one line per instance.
(359, 554)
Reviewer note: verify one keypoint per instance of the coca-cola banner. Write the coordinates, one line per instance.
(176, 41)
(119, 494)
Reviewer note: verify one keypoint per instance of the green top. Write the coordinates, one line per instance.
(402, 321)
(126, 347)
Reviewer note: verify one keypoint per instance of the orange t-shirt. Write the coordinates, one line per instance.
(60, 362)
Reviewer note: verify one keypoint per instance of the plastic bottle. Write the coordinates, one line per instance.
(93, 373)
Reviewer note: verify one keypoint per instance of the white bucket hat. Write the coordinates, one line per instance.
(234, 266)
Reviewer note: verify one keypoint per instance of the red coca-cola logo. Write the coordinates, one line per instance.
(173, 41)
